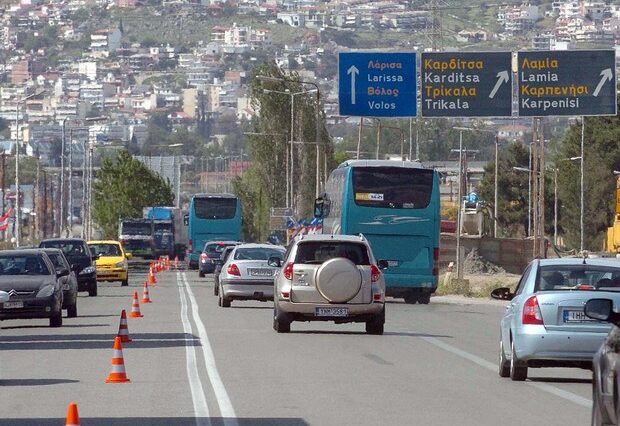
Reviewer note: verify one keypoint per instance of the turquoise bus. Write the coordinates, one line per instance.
(395, 204)
(211, 217)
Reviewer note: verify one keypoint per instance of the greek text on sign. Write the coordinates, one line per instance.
(580, 82)
(374, 84)
(467, 84)
(368, 196)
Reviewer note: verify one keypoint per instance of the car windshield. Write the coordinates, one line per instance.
(69, 248)
(105, 249)
(317, 252)
(56, 260)
(23, 265)
(578, 277)
(257, 253)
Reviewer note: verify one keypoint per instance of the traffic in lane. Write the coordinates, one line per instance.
(199, 364)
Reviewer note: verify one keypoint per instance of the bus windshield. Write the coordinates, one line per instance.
(392, 187)
(215, 208)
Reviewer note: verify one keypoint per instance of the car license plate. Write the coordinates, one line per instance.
(260, 272)
(331, 312)
(392, 263)
(13, 305)
(576, 316)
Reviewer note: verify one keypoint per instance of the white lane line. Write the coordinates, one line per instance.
(17, 342)
(569, 396)
(201, 409)
(226, 408)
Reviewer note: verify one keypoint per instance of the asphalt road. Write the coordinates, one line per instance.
(193, 363)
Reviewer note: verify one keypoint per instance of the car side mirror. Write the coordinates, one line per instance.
(601, 310)
(128, 255)
(382, 264)
(274, 261)
(63, 272)
(502, 293)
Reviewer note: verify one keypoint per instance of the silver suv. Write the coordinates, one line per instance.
(329, 278)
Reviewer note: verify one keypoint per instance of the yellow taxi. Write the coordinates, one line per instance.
(111, 261)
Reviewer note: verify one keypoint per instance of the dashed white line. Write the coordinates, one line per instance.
(201, 409)
(223, 400)
(569, 396)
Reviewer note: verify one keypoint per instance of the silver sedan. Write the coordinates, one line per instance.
(246, 274)
(544, 324)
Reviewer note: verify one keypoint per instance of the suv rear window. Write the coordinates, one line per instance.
(215, 248)
(317, 252)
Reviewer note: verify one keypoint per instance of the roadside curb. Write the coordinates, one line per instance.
(462, 300)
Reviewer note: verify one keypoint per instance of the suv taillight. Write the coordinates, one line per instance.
(203, 257)
(375, 273)
(531, 312)
(233, 270)
(288, 271)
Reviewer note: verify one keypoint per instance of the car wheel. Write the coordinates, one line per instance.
(597, 416)
(201, 274)
(411, 298)
(92, 291)
(125, 283)
(281, 322)
(216, 289)
(56, 319)
(424, 298)
(224, 302)
(504, 364)
(518, 371)
(72, 310)
(375, 326)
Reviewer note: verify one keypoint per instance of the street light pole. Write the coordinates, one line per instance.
(581, 212)
(62, 175)
(459, 272)
(17, 207)
(495, 189)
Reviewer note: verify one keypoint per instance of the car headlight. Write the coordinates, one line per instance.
(46, 291)
(121, 265)
(87, 270)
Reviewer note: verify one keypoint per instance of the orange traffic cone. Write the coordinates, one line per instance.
(176, 262)
(123, 330)
(145, 294)
(135, 307)
(73, 419)
(117, 375)
(152, 279)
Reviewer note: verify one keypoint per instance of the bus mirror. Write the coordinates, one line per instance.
(319, 208)
(186, 220)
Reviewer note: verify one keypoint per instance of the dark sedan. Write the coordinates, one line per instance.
(33, 285)
(68, 282)
(210, 255)
(77, 253)
(218, 269)
(606, 364)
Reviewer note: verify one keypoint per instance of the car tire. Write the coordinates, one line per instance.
(376, 325)
(201, 274)
(125, 283)
(424, 298)
(281, 322)
(518, 371)
(92, 291)
(216, 289)
(411, 298)
(504, 364)
(597, 416)
(56, 319)
(223, 302)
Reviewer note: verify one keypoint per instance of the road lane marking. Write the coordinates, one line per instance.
(201, 409)
(226, 408)
(569, 396)
(133, 339)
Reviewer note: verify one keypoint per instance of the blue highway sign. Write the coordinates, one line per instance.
(377, 84)
(467, 84)
(578, 82)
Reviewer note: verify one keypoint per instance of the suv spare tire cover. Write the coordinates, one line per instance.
(338, 280)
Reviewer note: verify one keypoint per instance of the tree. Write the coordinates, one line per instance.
(123, 188)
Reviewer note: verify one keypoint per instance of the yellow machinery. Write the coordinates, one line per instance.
(613, 232)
